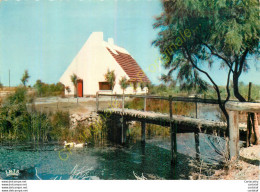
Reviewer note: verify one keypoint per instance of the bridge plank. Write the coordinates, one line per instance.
(148, 115)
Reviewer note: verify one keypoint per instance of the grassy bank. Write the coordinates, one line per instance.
(18, 124)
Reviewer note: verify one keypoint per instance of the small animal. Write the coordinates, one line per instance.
(68, 145)
(79, 145)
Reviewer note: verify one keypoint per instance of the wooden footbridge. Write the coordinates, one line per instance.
(117, 119)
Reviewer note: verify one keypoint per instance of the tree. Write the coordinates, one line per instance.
(25, 77)
(196, 33)
(1, 86)
(68, 89)
(111, 78)
(142, 85)
(124, 83)
(149, 87)
(135, 83)
(39, 87)
(74, 79)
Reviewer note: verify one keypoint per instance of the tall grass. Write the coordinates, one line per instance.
(156, 105)
(17, 124)
(162, 106)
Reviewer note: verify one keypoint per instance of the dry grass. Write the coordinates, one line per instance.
(246, 168)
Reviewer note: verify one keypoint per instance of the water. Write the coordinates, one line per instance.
(107, 161)
(209, 112)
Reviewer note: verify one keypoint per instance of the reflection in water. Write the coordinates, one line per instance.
(108, 161)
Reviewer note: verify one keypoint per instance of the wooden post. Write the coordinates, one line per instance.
(111, 101)
(197, 145)
(233, 134)
(249, 125)
(116, 100)
(97, 101)
(143, 124)
(123, 103)
(170, 106)
(175, 144)
(249, 91)
(145, 102)
(196, 104)
(123, 130)
(172, 132)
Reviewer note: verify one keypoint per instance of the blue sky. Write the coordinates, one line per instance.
(44, 36)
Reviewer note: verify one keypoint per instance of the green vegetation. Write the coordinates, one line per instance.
(25, 78)
(157, 105)
(17, 124)
(166, 90)
(68, 89)
(74, 79)
(151, 131)
(45, 90)
(111, 78)
(124, 83)
(195, 34)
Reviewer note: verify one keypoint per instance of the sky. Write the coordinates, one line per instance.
(44, 36)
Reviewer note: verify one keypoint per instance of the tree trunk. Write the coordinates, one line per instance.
(223, 109)
(236, 89)
(256, 134)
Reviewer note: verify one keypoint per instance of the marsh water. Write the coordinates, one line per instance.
(104, 161)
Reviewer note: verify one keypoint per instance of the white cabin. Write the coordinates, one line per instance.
(92, 63)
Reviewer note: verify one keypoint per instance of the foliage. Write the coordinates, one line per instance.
(44, 89)
(14, 118)
(142, 85)
(74, 79)
(151, 131)
(191, 38)
(68, 89)
(60, 122)
(111, 78)
(196, 33)
(17, 124)
(124, 83)
(166, 90)
(25, 77)
(135, 83)
(157, 105)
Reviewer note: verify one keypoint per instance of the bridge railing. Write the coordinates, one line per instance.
(233, 110)
(232, 106)
(122, 98)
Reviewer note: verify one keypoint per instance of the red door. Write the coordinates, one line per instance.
(80, 87)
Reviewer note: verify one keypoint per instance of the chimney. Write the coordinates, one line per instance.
(111, 41)
(97, 36)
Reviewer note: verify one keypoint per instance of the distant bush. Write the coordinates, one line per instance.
(45, 90)
(166, 90)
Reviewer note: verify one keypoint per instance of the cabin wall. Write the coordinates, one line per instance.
(91, 64)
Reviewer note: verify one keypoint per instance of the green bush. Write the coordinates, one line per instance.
(45, 90)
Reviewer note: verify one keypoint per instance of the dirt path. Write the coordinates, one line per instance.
(71, 105)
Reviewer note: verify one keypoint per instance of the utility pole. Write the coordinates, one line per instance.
(9, 78)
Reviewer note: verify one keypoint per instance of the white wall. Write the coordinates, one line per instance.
(92, 63)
